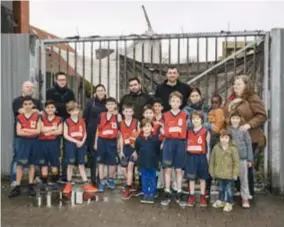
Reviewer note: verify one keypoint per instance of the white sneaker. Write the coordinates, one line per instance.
(228, 207)
(218, 204)
(245, 204)
(250, 197)
(13, 184)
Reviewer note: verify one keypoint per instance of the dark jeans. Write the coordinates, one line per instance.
(226, 190)
(13, 166)
(149, 183)
(92, 157)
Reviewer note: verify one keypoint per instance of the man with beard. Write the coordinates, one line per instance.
(61, 95)
(27, 90)
(171, 84)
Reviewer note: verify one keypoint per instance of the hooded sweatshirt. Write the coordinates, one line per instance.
(60, 96)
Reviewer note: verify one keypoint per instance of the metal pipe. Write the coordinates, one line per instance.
(59, 58)
(108, 71)
(134, 60)
(100, 63)
(178, 52)
(225, 68)
(223, 61)
(235, 57)
(125, 65)
(76, 76)
(43, 72)
(216, 59)
(170, 48)
(207, 77)
(92, 68)
(116, 71)
(245, 57)
(187, 57)
(197, 56)
(83, 96)
(160, 58)
(254, 64)
(157, 36)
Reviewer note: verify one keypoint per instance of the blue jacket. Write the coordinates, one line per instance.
(148, 150)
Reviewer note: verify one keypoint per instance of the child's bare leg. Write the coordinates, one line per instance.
(70, 172)
(44, 173)
(54, 172)
(101, 172)
(125, 173)
(82, 172)
(31, 174)
(111, 171)
(19, 174)
(192, 187)
(130, 173)
(202, 186)
(179, 179)
(168, 172)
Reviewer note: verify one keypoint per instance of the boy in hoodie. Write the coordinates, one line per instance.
(224, 167)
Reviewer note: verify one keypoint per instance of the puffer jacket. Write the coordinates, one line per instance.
(224, 164)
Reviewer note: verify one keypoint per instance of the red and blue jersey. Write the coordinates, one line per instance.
(196, 141)
(76, 130)
(108, 128)
(127, 131)
(55, 121)
(28, 122)
(175, 125)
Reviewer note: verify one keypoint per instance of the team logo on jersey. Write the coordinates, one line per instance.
(199, 140)
(80, 128)
(54, 124)
(33, 124)
(113, 125)
(180, 122)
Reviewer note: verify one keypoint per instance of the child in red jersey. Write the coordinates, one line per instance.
(196, 168)
(27, 129)
(128, 129)
(173, 154)
(75, 136)
(106, 143)
(51, 128)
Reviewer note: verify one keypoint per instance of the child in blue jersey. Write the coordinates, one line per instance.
(147, 148)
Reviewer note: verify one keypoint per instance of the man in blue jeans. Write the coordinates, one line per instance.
(27, 90)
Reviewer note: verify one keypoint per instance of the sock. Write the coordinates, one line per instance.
(54, 178)
(44, 179)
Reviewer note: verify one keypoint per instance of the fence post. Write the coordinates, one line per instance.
(276, 130)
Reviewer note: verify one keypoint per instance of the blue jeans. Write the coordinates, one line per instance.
(226, 190)
(149, 183)
(13, 166)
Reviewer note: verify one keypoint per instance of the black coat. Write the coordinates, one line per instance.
(138, 101)
(60, 96)
(164, 90)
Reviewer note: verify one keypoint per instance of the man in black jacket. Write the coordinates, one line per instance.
(60, 94)
(136, 97)
(170, 85)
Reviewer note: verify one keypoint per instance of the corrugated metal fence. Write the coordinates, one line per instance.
(18, 64)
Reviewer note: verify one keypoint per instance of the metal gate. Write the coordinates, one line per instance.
(209, 61)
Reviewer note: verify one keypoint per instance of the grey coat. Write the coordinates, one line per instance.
(243, 141)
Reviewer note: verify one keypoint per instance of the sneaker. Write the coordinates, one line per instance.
(151, 199)
(228, 207)
(90, 188)
(245, 204)
(110, 183)
(127, 194)
(13, 184)
(54, 186)
(203, 201)
(102, 187)
(68, 188)
(144, 199)
(138, 194)
(191, 201)
(133, 187)
(218, 204)
(179, 197)
(166, 201)
(15, 191)
(250, 197)
(207, 193)
(31, 190)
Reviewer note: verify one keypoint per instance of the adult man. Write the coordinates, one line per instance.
(27, 90)
(170, 85)
(136, 97)
(61, 94)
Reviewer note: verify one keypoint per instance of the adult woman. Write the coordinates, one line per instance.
(94, 107)
(248, 104)
(195, 102)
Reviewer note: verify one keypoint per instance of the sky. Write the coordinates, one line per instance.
(66, 18)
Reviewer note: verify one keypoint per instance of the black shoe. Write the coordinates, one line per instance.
(15, 191)
(179, 197)
(31, 190)
(166, 201)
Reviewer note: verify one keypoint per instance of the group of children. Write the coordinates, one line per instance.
(159, 142)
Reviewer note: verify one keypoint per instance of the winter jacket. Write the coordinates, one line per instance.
(138, 101)
(60, 96)
(252, 109)
(243, 142)
(216, 119)
(164, 90)
(189, 108)
(224, 164)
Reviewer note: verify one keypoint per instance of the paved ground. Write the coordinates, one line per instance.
(267, 211)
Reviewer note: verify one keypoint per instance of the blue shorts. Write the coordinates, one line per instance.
(128, 153)
(196, 167)
(173, 155)
(74, 155)
(27, 151)
(107, 151)
(49, 153)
